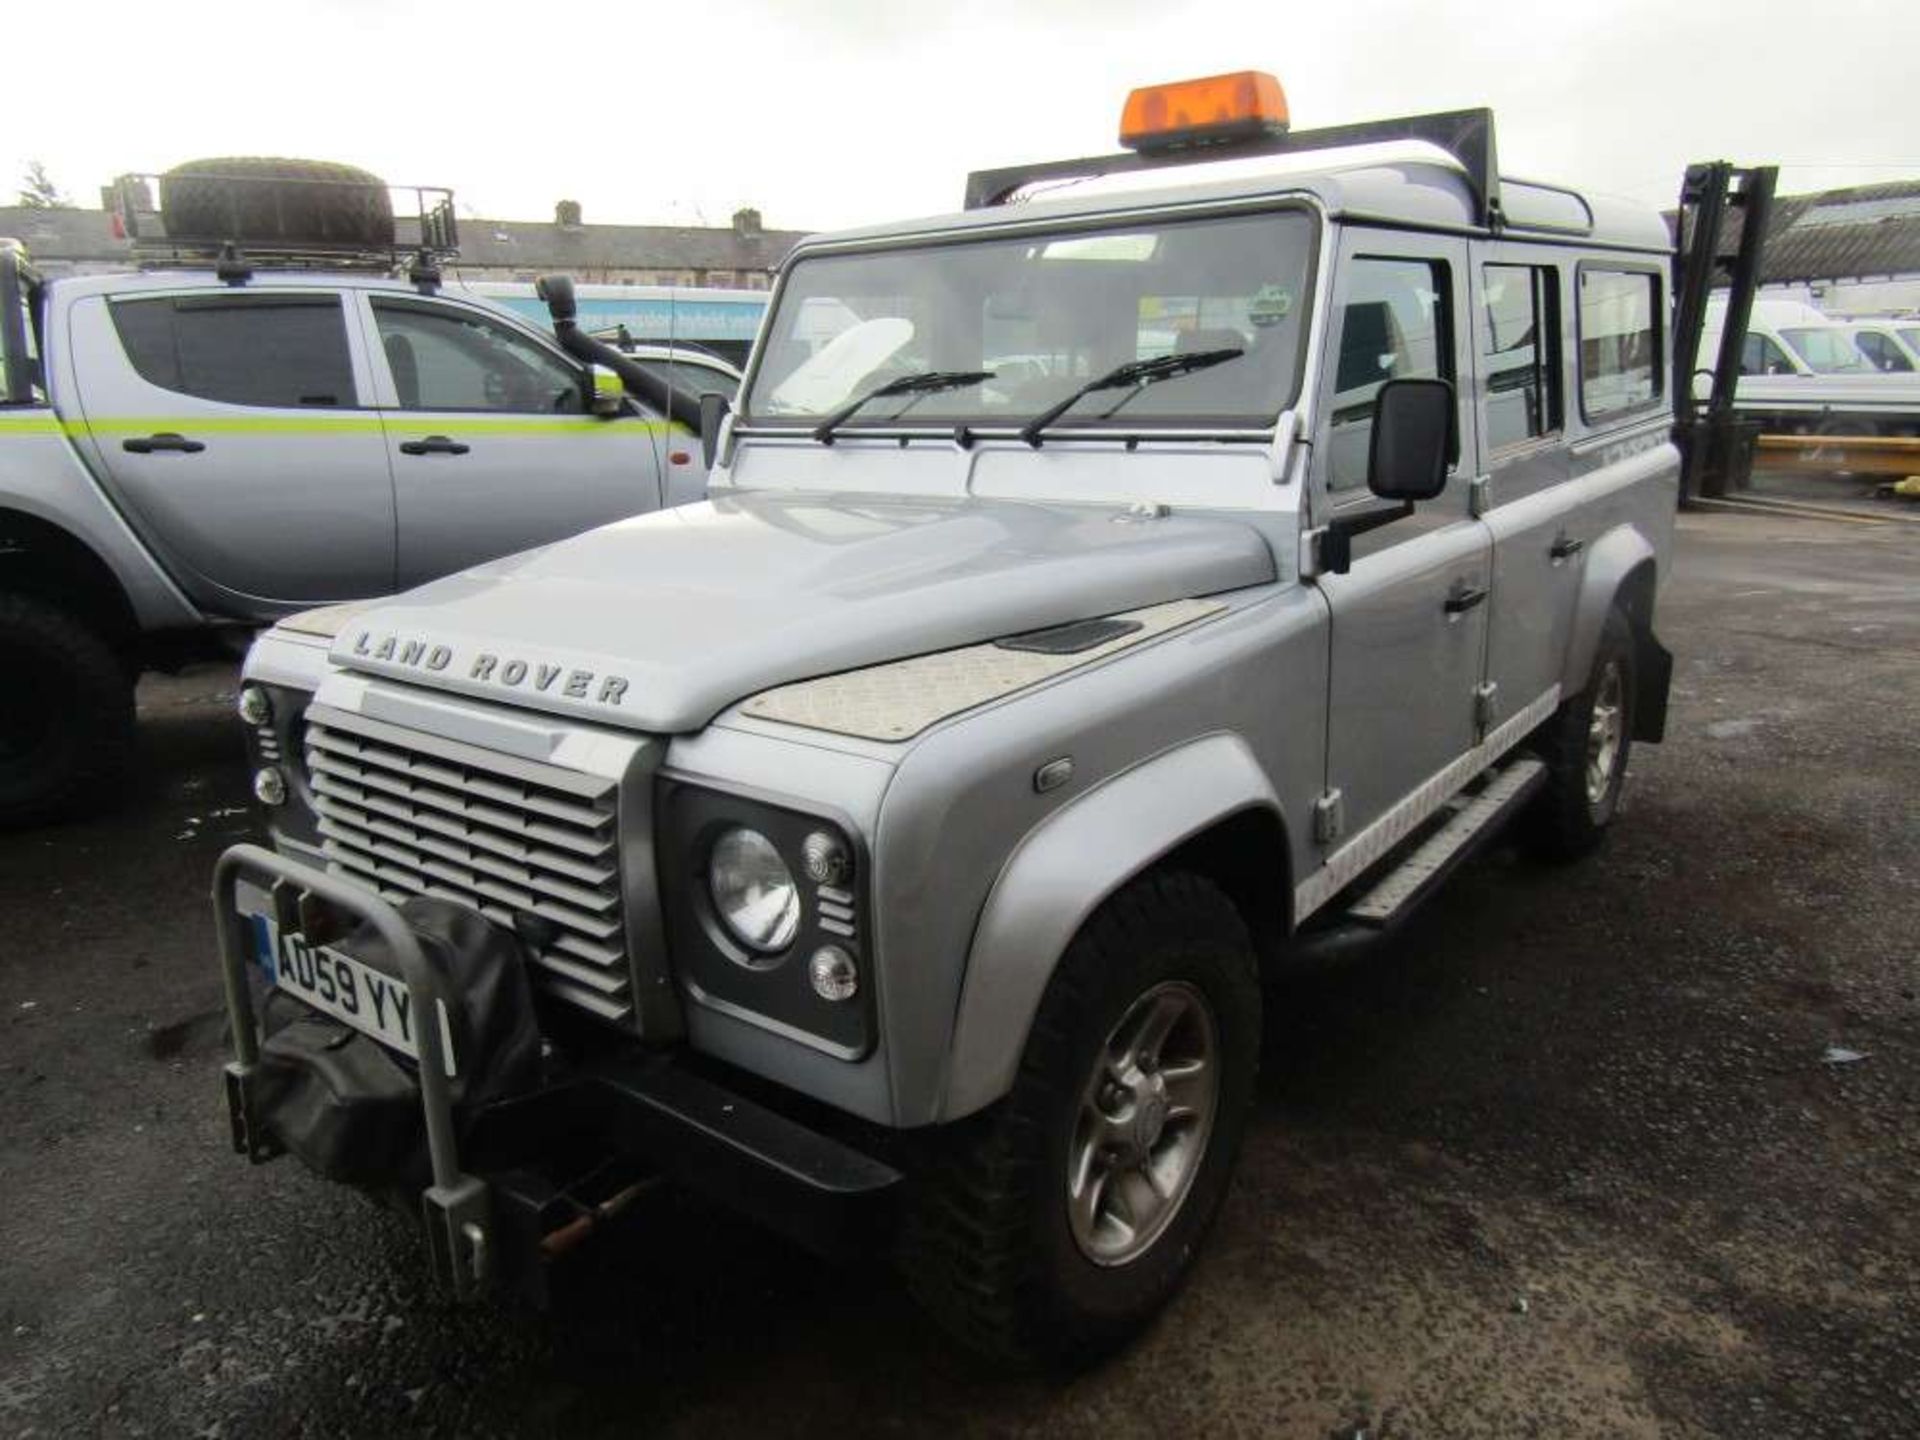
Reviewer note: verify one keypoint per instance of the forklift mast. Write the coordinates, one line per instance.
(1716, 447)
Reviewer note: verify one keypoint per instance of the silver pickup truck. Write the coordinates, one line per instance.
(186, 455)
(1166, 568)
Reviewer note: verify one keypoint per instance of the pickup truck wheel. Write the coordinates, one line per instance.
(66, 713)
(1586, 746)
(1054, 1227)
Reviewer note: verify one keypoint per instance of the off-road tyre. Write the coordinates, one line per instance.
(267, 200)
(987, 1245)
(1567, 819)
(66, 714)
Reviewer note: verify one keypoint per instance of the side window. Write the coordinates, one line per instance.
(284, 351)
(1619, 340)
(1759, 355)
(1520, 354)
(1881, 350)
(442, 359)
(1395, 324)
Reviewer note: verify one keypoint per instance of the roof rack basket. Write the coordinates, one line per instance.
(240, 220)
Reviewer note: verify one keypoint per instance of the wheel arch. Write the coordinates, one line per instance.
(1622, 570)
(40, 558)
(1206, 806)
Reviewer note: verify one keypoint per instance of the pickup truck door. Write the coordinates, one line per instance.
(490, 440)
(228, 425)
(1408, 630)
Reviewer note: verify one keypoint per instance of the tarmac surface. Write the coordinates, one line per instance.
(1565, 1160)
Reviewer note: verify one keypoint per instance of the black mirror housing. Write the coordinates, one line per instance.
(713, 409)
(1416, 436)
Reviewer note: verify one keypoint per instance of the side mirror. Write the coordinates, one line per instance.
(609, 393)
(557, 291)
(714, 408)
(1415, 437)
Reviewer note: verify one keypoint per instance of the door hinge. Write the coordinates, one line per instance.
(1329, 817)
(1486, 707)
(1477, 496)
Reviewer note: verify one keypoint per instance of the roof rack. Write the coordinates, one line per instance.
(1466, 135)
(243, 221)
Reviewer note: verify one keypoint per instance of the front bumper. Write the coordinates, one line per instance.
(504, 1219)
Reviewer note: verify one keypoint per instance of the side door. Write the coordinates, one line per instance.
(233, 427)
(1408, 627)
(1539, 526)
(490, 439)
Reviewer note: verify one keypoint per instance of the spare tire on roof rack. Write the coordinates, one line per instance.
(270, 201)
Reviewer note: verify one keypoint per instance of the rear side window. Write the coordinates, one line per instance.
(1619, 340)
(283, 351)
(1520, 353)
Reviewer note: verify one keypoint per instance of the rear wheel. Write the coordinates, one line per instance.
(1586, 746)
(66, 713)
(1053, 1228)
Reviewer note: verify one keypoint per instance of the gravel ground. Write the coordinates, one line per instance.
(1565, 1160)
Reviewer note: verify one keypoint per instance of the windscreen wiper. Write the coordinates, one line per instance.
(1134, 372)
(925, 383)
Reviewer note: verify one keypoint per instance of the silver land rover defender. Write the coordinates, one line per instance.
(1167, 567)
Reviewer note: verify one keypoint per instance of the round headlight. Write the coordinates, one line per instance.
(255, 707)
(753, 891)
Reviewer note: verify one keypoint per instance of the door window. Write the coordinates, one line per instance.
(1520, 353)
(691, 376)
(1759, 355)
(283, 351)
(1396, 324)
(1619, 340)
(444, 359)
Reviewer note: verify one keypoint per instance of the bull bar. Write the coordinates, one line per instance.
(646, 1107)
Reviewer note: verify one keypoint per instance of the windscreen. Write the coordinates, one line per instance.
(1831, 352)
(1045, 314)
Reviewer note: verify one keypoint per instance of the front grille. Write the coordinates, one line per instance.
(417, 815)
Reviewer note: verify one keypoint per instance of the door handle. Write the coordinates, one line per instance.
(166, 440)
(433, 445)
(1565, 545)
(1463, 598)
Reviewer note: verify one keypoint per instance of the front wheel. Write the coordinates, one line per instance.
(1053, 1228)
(66, 713)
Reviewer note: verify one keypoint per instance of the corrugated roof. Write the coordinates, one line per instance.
(1861, 232)
(87, 235)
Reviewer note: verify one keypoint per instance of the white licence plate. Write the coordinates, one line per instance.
(372, 1002)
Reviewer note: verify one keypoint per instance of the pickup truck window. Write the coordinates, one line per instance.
(1911, 334)
(1521, 352)
(19, 357)
(283, 351)
(1396, 324)
(1619, 340)
(1045, 313)
(443, 359)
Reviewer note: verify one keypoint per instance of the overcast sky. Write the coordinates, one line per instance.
(826, 113)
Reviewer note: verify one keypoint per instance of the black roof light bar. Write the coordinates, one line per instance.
(1466, 135)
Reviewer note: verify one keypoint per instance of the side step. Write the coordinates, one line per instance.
(1476, 819)
(1420, 873)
